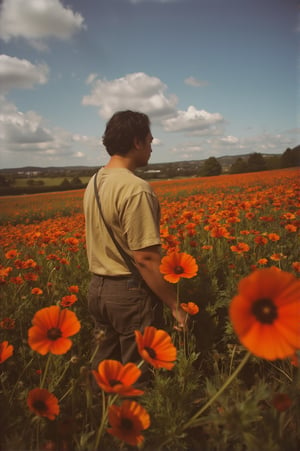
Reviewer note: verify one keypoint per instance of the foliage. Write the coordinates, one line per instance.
(290, 158)
(231, 225)
(256, 162)
(211, 167)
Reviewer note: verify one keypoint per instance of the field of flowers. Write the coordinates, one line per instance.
(231, 381)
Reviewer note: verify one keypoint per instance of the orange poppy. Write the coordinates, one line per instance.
(36, 291)
(190, 307)
(266, 313)
(6, 351)
(43, 403)
(73, 289)
(177, 265)
(113, 377)
(240, 248)
(51, 329)
(11, 254)
(128, 421)
(68, 300)
(156, 347)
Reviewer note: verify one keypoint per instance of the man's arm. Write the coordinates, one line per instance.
(148, 261)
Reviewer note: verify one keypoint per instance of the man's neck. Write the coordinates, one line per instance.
(119, 161)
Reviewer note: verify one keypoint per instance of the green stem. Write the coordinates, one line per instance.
(94, 353)
(20, 375)
(231, 360)
(111, 399)
(67, 365)
(46, 371)
(193, 421)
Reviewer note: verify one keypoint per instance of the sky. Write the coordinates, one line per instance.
(216, 77)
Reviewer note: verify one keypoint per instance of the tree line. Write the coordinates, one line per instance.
(254, 163)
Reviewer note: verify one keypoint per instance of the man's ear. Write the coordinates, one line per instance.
(136, 143)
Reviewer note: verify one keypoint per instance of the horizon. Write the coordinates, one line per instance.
(214, 79)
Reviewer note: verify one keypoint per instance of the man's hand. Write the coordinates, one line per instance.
(182, 319)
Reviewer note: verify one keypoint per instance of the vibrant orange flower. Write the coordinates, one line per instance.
(113, 377)
(273, 237)
(290, 228)
(281, 402)
(6, 351)
(262, 261)
(260, 240)
(36, 291)
(30, 263)
(11, 254)
(277, 257)
(73, 289)
(266, 313)
(177, 265)
(156, 347)
(51, 329)
(190, 307)
(69, 300)
(43, 403)
(240, 248)
(128, 421)
(296, 266)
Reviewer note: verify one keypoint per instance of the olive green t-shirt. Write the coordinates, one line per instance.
(132, 210)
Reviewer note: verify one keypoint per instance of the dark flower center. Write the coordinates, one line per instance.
(127, 424)
(178, 270)
(40, 406)
(113, 382)
(54, 333)
(151, 352)
(265, 310)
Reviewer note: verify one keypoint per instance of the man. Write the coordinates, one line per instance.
(124, 297)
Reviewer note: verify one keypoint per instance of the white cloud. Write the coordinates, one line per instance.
(229, 139)
(35, 20)
(193, 120)
(20, 73)
(137, 91)
(192, 81)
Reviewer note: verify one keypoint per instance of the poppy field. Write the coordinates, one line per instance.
(229, 381)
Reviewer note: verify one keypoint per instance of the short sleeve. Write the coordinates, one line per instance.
(141, 221)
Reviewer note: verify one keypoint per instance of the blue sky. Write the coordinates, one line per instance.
(216, 77)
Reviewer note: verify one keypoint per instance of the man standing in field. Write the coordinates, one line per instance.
(127, 290)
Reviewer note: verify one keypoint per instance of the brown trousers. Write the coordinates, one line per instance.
(119, 306)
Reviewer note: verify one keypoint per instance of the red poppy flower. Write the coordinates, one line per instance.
(73, 289)
(36, 291)
(43, 403)
(51, 329)
(240, 248)
(68, 300)
(266, 313)
(128, 421)
(177, 265)
(11, 254)
(6, 351)
(113, 377)
(190, 307)
(156, 347)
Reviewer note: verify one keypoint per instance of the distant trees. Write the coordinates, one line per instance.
(211, 167)
(256, 162)
(290, 158)
(239, 166)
